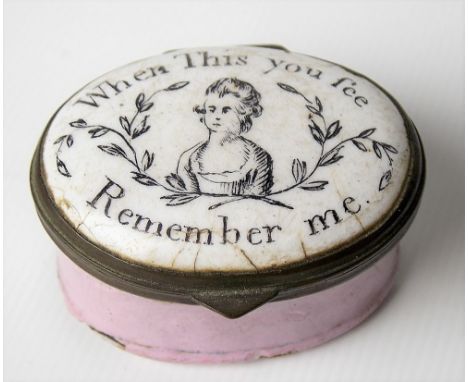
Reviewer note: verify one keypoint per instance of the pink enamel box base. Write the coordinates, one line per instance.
(191, 333)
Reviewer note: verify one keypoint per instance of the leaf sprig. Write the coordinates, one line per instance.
(61, 166)
(131, 128)
(322, 135)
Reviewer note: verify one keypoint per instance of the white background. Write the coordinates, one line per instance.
(414, 49)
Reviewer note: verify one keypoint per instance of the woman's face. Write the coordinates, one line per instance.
(221, 115)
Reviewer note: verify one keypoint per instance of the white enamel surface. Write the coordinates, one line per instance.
(281, 130)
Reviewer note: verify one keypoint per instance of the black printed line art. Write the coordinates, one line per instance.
(227, 165)
(133, 127)
(245, 169)
(322, 134)
(61, 166)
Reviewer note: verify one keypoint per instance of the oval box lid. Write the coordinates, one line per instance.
(228, 176)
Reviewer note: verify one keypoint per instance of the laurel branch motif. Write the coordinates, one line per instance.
(137, 125)
(322, 134)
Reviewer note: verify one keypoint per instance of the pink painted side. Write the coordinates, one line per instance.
(190, 333)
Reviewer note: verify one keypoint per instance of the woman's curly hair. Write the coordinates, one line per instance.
(249, 99)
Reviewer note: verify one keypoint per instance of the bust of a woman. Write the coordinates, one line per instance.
(227, 163)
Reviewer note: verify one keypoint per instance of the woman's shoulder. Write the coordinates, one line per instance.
(255, 150)
(187, 154)
(194, 149)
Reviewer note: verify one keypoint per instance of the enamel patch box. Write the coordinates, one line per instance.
(245, 171)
